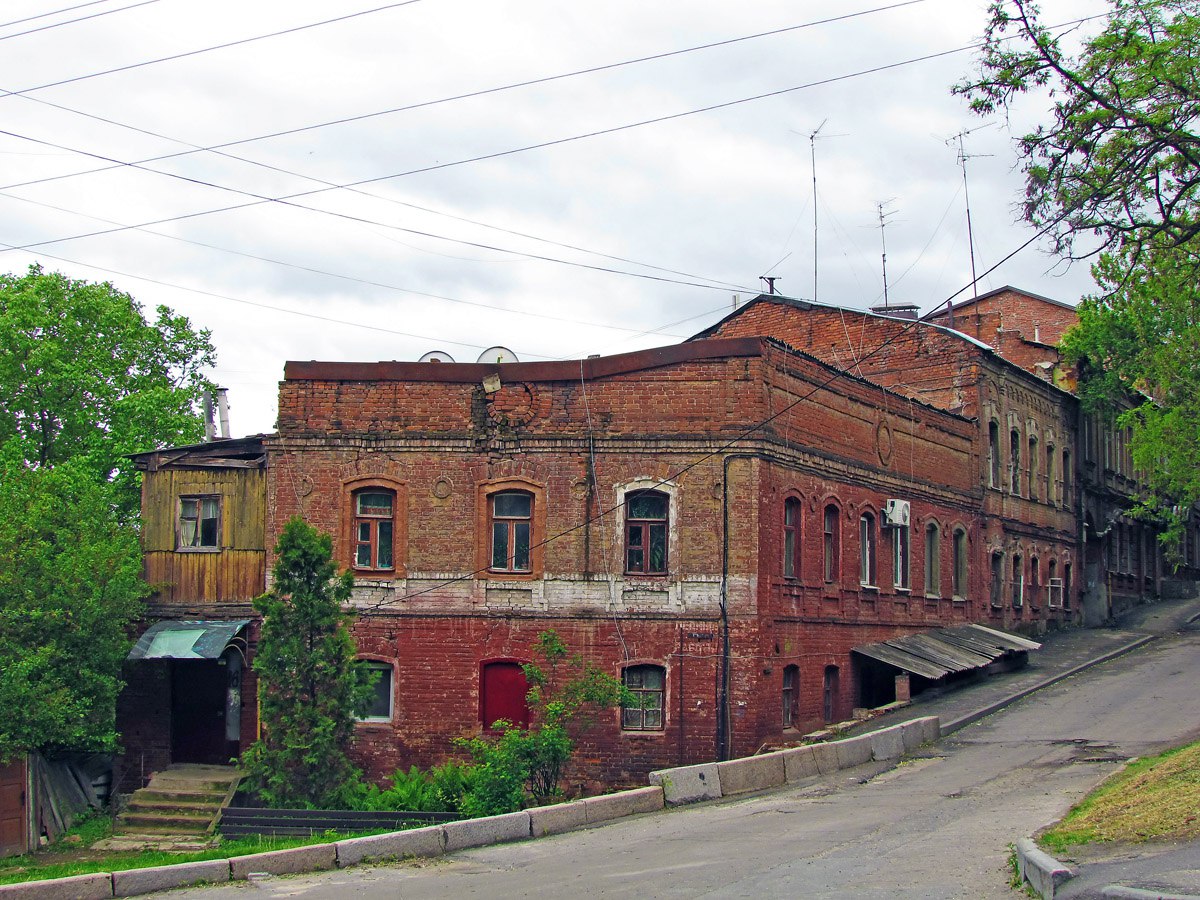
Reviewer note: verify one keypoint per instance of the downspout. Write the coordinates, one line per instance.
(723, 677)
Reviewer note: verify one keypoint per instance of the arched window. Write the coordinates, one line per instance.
(790, 695)
(1014, 461)
(1018, 581)
(866, 534)
(933, 560)
(959, 570)
(1035, 581)
(646, 523)
(900, 548)
(512, 528)
(648, 686)
(1033, 464)
(994, 454)
(791, 538)
(374, 529)
(1068, 478)
(832, 543)
(997, 592)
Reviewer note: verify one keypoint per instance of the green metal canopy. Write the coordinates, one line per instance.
(176, 639)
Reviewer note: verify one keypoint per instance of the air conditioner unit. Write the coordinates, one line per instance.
(896, 512)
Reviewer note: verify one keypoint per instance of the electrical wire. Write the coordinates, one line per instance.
(107, 12)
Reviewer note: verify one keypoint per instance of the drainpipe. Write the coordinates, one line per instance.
(724, 741)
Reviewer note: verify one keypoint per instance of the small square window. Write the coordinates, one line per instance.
(647, 684)
(199, 523)
(380, 709)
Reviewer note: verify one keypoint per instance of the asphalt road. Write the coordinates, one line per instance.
(937, 826)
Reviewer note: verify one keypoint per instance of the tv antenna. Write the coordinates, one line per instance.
(962, 157)
(884, 214)
(812, 150)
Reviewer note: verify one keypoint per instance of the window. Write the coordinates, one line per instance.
(900, 557)
(866, 562)
(1018, 582)
(997, 589)
(647, 684)
(512, 520)
(832, 689)
(1014, 462)
(380, 709)
(994, 454)
(1033, 464)
(646, 532)
(1066, 588)
(502, 690)
(959, 587)
(1068, 478)
(831, 543)
(1035, 581)
(199, 523)
(374, 522)
(1054, 586)
(933, 560)
(790, 695)
(791, 538)
(1053, 486)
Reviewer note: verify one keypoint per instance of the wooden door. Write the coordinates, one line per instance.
(198, 691)
(13, 809)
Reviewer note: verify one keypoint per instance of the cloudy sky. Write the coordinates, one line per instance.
(362, 180)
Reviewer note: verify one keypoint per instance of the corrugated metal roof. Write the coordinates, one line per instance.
(936, 654)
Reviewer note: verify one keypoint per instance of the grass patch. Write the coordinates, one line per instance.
(71, 856)
(1155, 798)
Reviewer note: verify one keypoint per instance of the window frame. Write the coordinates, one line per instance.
(831, 543)
(995, 479)
(1014, 462)
(648, 526)
(380, 665)
(641, 692)
(1033, 467)
(868, 551)
(790, 696)
(512, 524)
(199, 518)
(901, 558)
(1017, 584)
(960, 573)
(485, 491)
(352, 488)
(793, 534)
(933, 560)
(374, 524)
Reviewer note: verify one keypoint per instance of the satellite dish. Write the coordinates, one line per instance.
(436, 356)
(497, 355)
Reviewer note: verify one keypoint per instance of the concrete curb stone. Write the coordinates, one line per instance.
(1120, 892)
(689, 784)
(423, 842)
(751, 773)
(489, 830)
(284, 862)
(798, 763)
(887, 743)
(607, 807)
(96, 886)
(851, 752)
(557, 818)
(1044, 873)
(826, 758)
(132, 882)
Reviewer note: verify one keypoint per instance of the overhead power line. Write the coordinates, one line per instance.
(95, 15)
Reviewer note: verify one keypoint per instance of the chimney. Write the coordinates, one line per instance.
(897, 310)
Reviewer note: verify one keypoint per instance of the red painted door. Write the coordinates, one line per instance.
(13, 814)
(502, 694)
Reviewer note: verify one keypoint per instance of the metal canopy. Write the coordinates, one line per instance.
(206, 639)
(936, 654)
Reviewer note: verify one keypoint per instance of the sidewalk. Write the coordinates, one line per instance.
(1136, 872)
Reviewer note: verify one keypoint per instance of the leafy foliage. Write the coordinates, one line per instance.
(70, 585)
(1121, 158)
(441, 789)
(527, 764)
(310, 689)
(84, 376)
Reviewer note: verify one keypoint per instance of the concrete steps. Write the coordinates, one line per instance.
(177, 810)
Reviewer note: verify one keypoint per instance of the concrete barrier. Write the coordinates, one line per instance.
(557, 819)
(689, 784)
(798, 763)
(489, 830)
(284, 862)
(1044, 873)
(931, 729)
(427, 841)
(751, 773)
(132, 882)
(851, 752)
(826, 758)
(887, 743)
(97, 886)
(607, 807)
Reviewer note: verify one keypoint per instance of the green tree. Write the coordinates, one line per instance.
(526, 765)
(310, 688)
(84, 376)
(1118, 165)
(70, 585)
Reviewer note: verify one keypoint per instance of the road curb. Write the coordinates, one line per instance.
(1120, 892)
(972, 717)
(1044, 873)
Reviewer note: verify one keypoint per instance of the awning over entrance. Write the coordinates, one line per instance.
(190, 639)
(936, 654)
